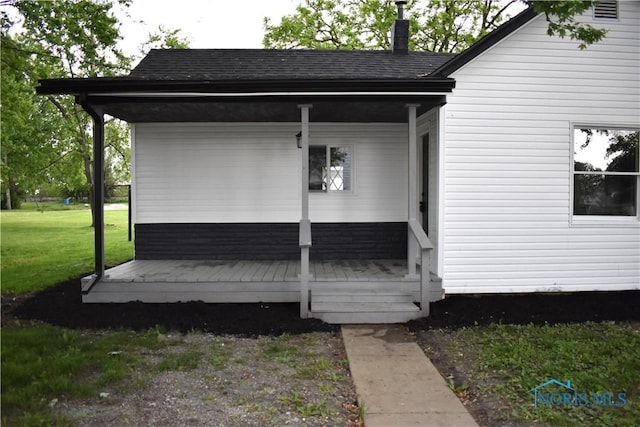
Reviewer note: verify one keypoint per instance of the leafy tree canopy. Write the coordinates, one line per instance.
(435, 25)
(47, 141)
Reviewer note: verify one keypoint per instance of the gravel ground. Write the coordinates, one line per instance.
(297, 380)
(255, 364)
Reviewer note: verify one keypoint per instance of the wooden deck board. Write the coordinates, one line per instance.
(254, 271)
(252, 281)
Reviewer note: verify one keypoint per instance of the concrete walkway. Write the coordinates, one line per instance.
(396, 382)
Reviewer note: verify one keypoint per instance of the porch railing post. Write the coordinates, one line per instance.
(425, 263)
(304, 282)
(412, 250)
(425, 280)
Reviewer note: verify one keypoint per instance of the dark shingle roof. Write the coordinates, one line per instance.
(293, 64)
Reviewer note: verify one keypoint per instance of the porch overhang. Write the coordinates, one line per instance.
(335, 100)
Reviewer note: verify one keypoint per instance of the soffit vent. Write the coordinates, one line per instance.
(606, 9)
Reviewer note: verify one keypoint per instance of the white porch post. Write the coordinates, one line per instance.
(304, 118)
(305, 224)
(412, 249)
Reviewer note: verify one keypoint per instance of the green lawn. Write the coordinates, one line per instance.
(43, 363)
(600, 359)
(43, 247)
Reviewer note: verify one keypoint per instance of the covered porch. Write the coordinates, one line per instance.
(224, 140)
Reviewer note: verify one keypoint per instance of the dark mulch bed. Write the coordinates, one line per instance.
(538, 309)
(62, 305)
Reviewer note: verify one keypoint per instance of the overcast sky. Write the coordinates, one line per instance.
(205, 23)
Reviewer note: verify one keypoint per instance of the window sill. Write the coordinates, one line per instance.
(605, 221)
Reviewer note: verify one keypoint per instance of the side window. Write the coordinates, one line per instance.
(606, 171)
(330, 168)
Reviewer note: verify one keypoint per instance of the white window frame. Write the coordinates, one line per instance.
(601, 220)
(328, 148)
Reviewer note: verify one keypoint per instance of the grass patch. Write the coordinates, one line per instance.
(279, 350)
(186, 361)
(318, 368)
(40, 249)
(595, 357)
(221, 354)
(43, 364)
(296, 401)
(51, 206)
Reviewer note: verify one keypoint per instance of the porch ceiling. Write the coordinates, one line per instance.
(207, 110)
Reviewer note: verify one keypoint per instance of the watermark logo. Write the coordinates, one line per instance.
(554, 393)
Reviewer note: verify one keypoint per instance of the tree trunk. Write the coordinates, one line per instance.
(88, 173)
(8, 193)
(85, 149)
(8, 198)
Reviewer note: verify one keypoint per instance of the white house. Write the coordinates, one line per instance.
(367, 184)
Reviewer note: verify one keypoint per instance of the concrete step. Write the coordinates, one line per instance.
(365, 312)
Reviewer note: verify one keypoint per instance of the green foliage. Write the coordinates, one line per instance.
(47, 141)
(164, 38)
(435, 25)
(560, 16)
(42, 365)
(596, 357)
(40, 249)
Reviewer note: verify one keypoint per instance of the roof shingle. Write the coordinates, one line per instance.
(293, 64)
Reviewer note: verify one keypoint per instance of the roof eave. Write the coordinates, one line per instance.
(108, 85)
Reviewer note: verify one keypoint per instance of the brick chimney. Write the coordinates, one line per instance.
(400, 31)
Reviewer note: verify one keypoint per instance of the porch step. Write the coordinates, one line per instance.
(360, 306)
(329, 297)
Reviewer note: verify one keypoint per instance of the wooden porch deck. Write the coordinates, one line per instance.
(255, 271)
(378, 285)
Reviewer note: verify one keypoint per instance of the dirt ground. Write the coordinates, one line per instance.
(246, 324)
(259, 364)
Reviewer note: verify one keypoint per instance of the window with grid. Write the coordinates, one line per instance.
(330, 168)
(606, 171)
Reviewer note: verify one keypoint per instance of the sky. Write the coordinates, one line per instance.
(205, 23)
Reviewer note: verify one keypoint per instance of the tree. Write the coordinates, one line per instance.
(436, 25)
(46, 141)
(164, 38)
(58, 39)
(28, 122)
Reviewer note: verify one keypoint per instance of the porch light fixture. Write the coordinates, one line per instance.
(299, 139)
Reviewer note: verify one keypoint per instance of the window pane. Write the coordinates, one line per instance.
(340, 169)
(606, 150)
(604, 195)
(317, 168)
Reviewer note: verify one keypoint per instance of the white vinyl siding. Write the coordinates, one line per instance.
(508, 162)
(250, 172)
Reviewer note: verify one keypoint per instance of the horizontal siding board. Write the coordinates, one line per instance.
(250, 172)
(508, 162)
(503, 197)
